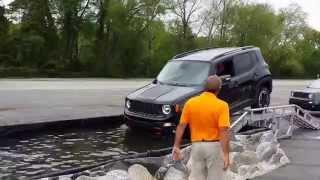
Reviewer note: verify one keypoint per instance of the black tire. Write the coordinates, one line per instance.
(262, 98)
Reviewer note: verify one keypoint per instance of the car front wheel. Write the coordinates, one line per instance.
(262, 99)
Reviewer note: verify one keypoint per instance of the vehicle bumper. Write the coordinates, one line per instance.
(305, 104)
(163, 126)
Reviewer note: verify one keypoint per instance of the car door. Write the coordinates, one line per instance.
(229, 91)
(244, 74)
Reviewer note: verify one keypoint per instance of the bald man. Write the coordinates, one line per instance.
(209, 122)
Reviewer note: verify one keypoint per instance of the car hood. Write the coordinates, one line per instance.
(309, 90)
(164, 94)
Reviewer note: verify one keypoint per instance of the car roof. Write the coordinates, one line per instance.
(209, 54)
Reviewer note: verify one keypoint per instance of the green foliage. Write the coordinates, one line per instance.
(135, 38)
(255, 24)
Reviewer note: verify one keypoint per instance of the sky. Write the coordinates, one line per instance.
(311, 7)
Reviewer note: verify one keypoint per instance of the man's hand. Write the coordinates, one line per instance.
(226, 162)
(176, 154)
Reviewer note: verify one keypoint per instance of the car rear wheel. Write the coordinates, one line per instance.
(262, 98)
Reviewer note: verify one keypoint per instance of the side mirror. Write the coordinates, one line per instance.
(225, 78)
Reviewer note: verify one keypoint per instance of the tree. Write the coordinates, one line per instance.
(72, 16)
(4, 28)
(134, 38)
(294, 23)
(185, 12)
(216, 21)
(38, 39)
(255, 24)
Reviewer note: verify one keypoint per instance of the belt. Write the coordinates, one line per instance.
(204, 140)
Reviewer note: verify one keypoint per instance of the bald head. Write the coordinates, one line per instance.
(213, 84)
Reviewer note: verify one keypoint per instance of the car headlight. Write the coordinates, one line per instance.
(292, 94)
(128, 104)
(166, 109)
(310, 96)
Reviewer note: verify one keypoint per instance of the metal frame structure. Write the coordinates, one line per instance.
(281, 119)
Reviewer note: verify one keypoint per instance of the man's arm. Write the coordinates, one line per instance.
(179, 134)
(225, 140)
(176, 153)
(224, 134)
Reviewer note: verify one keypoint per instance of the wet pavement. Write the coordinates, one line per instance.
(25, 156)
(33, 101)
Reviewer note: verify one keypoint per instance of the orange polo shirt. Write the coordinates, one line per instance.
(205, 114)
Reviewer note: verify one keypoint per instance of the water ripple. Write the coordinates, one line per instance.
(46, 153)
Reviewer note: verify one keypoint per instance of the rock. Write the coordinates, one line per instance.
(268, 137)
(185, 157)
(248, 171)
(116, 166)
(243, 170)
(275, 159)
(65, 177)
(75, 176)
(115, 175)
(244, 158)
(253, 170)
(236, 147)
(284, 160)
(266, 150)
(86, 178)
(153, 163)
(248, 142)
(139, 172)
(247, 158)
(234, 163)
(175, 174)
(161, 172)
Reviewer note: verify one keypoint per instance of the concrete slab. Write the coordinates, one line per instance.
(303, 151)
(33, 101)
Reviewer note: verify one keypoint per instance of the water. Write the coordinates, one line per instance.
(27, 156)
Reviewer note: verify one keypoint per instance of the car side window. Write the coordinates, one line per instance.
(243, 63)
(225, 67)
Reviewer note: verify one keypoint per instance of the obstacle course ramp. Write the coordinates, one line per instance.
(281, 119)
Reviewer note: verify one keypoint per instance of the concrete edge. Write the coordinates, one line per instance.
(18, 130)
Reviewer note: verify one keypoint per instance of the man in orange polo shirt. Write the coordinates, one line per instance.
(209, 122)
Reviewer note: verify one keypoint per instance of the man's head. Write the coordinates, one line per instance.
(213, 84)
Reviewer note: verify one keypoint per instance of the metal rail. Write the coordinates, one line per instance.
(281, 119)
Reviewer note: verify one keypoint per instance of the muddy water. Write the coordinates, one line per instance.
(26, 156)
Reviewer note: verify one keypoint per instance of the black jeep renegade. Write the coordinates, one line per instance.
(246, 82)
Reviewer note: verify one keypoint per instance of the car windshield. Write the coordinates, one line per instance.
(315, 84)
(184, 73)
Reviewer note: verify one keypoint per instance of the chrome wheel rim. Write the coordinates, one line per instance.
(264, 99)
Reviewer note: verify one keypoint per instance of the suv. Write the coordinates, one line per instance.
(246, 82)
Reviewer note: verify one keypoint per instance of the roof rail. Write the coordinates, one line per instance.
(233, 51)
(189, 52)
(247, 47)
